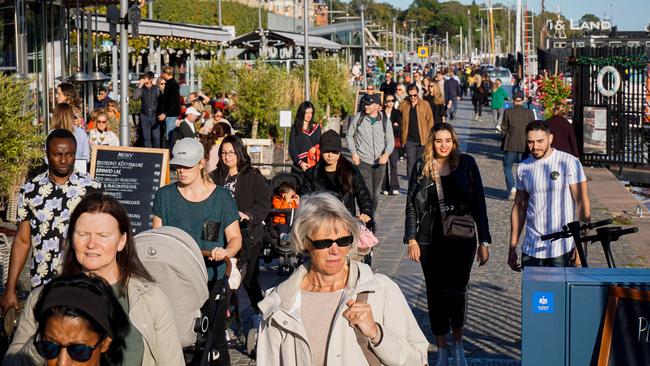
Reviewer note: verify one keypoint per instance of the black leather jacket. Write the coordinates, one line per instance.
(315, 180)
(423, 211)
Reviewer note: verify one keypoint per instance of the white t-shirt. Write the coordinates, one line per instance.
(550, 204)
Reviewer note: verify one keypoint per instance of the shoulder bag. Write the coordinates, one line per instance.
(454, 226)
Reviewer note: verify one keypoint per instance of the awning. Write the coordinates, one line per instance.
(159, 28)
(252, 40)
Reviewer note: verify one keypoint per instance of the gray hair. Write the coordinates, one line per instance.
(321, 209)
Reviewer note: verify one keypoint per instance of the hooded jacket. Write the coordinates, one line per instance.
(282, 339)
(149, 312)
(370, 140)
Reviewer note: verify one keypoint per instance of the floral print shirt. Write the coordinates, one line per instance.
(48, 206)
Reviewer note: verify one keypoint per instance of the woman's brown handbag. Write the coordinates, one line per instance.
(457, 227)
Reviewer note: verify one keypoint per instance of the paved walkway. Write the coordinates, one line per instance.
(493, 330)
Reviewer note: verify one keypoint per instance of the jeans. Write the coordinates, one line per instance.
(414, 152)
(497, 113)
(373, 176)
(478, 104)
(454, 106)
(150, 131)
(391, 181)
(562, 261)
(510, 158)
(446, 265)
(170, 126)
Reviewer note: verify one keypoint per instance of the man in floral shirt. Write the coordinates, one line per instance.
(44, 208)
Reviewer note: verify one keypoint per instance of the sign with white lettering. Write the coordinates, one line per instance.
(625, 338)
(133, 175)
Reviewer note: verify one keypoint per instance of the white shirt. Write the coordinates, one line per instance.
(550, 204)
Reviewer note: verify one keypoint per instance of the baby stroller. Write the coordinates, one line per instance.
(276, 245)
(176, 262)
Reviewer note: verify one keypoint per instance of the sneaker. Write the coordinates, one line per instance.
(479, 118)
(395, 192)
(385, 193)
(443, 357)
(512, 194)
(458, 353)
(498, 127)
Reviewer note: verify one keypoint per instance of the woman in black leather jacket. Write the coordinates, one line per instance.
(446, 263)
(335, 174)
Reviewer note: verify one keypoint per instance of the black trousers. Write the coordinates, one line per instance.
(446, 266)
(477, 101)
(391, 180)
(251, 277)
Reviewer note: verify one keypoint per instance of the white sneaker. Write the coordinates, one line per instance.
(443, 357)
(385, 193)
(458, 353)
(395, 192)
(512, 194)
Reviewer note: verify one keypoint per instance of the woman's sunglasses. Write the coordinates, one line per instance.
(326, 243)
(78, 352)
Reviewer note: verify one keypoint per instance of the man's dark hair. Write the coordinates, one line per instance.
(59, 134)
(412, 87)
(149, 75)
(102, 89)
(538, 125)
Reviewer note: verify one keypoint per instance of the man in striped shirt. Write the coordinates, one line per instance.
(551, 192)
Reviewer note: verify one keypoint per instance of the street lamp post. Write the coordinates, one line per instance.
(219, 13)
(363, 46)
(306, 31)
(124, 77)
(394, 46)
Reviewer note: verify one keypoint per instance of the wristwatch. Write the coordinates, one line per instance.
(485, 244)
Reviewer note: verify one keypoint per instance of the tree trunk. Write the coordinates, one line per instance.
(256, 125)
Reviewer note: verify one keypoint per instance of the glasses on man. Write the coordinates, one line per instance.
(78, 352)
(413, 95)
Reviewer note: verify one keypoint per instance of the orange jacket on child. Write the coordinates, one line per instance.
(279, 202)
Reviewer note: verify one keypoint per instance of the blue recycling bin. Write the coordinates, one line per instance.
(562, 312)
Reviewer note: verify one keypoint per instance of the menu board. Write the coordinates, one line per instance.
(133, 175)
(626, 330)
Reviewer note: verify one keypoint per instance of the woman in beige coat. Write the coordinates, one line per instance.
(100, 242)
(335, 311)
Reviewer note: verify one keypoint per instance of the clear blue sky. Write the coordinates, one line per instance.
(626, 14)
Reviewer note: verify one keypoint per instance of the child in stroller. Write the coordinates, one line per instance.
(276, 244)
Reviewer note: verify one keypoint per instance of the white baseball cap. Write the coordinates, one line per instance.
(192, 110)
(187, 152)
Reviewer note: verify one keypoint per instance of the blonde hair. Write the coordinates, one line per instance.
(431, 168)
(437, 94)
(63, 117)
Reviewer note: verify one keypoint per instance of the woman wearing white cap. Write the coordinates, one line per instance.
(205, 211)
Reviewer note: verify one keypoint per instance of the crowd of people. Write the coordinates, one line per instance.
(92, 296)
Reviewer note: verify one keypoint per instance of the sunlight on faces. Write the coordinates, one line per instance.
(331, 157)
(443, 144)
(188, 175)
(539, 142)
(228, 155)
(60, 97)
(331, 260)
(65, 330)
(309, 114)
(96, 240)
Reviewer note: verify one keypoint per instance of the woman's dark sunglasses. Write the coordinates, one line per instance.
(326, 243)
(78, 352)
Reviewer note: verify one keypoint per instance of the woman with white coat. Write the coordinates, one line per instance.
(336, 311)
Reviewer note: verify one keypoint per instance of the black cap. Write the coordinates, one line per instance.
(330, 141)
(370, 99)
(519, 95)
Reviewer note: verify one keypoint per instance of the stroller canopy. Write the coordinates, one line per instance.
(174, 260)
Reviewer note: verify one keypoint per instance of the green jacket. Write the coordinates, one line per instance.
(499, 97)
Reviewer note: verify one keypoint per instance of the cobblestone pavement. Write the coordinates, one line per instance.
(493, 329)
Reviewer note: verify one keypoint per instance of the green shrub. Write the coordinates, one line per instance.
(21, 143)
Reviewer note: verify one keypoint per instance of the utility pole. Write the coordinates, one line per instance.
(125, 139)
(394, 45)
(469, 36)
(411, 50)
(447, 45)
(151, 52)
(219, 13)
(363, 45)
(259, 16)
(518, 29)
(460, 39)
(306, 30)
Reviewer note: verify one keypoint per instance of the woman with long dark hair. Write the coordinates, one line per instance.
(335, 174)
(99, 241)
(304, 137)
(446, 261)
(253, 196)
(391, 180)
